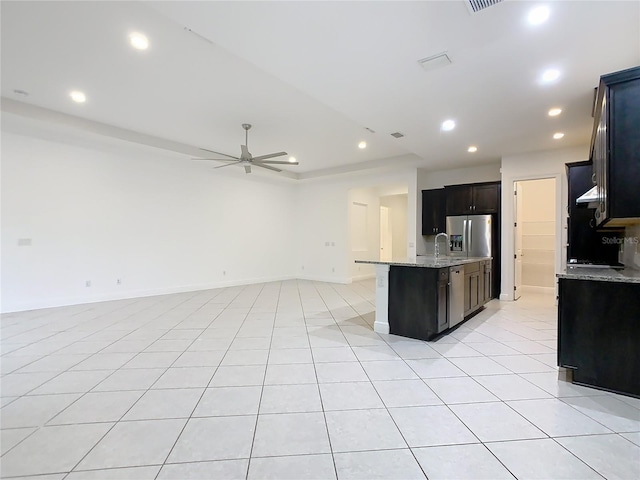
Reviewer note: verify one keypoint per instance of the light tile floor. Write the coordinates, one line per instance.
(288, 380)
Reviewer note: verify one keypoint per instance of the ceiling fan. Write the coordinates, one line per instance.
(246, 159)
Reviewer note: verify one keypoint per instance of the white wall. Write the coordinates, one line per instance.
(546, 164)
(158, 222)
(538, 230)
(428, 180)
(397, 205)
(323, 207)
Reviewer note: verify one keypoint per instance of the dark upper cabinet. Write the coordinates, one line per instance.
(486, 198)
(433, 216)
(585, 242)
(481, 198)
(459, 199)
(615, 148)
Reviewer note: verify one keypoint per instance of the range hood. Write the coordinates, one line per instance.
(590, 198)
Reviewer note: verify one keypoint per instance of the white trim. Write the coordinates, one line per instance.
(508, 241)
(320, 278)
(133, 294)
(357, 278)
(381, 324)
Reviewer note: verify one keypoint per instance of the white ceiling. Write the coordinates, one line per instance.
(310, 76)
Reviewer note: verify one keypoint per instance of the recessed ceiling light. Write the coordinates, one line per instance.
(78, 96)
(362, 144)
(472, 149)
(550, 75)
(292, 159)
(554, 112)
(448, 125)
(139, 41)
(558, 135)
(538, 15)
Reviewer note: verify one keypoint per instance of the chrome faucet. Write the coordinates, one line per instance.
(436, 247)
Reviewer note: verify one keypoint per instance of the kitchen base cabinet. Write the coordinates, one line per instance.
(486, 281)
(418, 301)
(599, 333)
(472, 288)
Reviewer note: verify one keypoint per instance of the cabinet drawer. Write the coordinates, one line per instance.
(471, 267)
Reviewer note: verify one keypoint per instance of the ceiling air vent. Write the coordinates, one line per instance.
(475, 6)
(397, 135)
(435, 61)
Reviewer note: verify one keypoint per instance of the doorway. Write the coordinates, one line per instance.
(534, 236)
(386, 235)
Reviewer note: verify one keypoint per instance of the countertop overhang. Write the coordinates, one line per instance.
(427, 261)
(626, 275)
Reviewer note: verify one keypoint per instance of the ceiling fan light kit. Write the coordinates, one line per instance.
(247, 160)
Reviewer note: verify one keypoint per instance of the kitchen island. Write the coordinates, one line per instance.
(418, 298)
(599, 327)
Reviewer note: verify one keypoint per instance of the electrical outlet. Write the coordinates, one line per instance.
(87, 283)
(224, 272)
(333, 244)
(302, 267)
(333, 270)
(118, 282)
(326, 244)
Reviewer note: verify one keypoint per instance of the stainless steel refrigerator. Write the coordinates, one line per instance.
(469, 235)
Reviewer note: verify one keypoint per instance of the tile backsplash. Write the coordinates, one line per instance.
(630, 254)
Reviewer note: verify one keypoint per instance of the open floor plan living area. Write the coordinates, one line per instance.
(319, 240)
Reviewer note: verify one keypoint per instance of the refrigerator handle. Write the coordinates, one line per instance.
(464, 236)
(469, 238)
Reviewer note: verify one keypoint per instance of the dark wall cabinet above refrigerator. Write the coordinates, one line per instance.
(475, 199)
(615, 148)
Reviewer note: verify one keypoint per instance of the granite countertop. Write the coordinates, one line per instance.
(601, 274)
(427, 261)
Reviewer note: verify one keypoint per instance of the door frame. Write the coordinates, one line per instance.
(517, 238)
(508, 244)
(387, 235)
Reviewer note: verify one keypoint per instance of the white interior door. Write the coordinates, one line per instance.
(386, 245)
(517, 231)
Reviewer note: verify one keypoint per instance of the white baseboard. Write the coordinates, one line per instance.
(357, 278)
(38, 304)
(321, 278)
(381, 327)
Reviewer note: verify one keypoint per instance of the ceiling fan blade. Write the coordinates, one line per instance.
(217, 159)
(245, 151)
(260, 164)
(247, 169)
(280, 162)
(271, 155)
(219, 153)
(232, 163)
